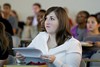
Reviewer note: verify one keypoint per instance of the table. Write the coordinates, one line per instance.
(25, 66)
(90, 60)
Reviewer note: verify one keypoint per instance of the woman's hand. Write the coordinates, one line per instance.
(97, 44)
(50, 58)
(90, 42)
(19, 56)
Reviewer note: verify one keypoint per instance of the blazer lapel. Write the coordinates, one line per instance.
(58, 49)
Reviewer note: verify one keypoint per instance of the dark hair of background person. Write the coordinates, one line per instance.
(85, 12)
(8, 27)
(3, 38)
(63, 31)
(40, 17)
(30, 18)
(16, 15)
(37, 4)
(93, 15)
(7, 4)
(98, 17)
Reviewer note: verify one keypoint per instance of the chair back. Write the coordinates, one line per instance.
(95, 56)
(11, 60)
(82, 64)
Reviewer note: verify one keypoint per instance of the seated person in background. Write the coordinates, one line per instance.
(64, 50)
(28, 31)
(8, 27)
(40, 17)
(9, 33)
(92, 36)
(20, 23)
(80, 28)
(4, 43)
(98, 17)
(13, 21)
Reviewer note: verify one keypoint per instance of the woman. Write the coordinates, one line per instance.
(92, 36)
(28, 31)
(64, 50)
(3, 45)
(93, 33)
(40, 17)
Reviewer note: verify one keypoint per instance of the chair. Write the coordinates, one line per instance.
(95, 57)
(11, 60)
(82, 64)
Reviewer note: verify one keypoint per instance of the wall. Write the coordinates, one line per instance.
(24, 7)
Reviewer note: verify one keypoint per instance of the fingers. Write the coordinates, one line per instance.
(49, 58)
(19, 56)
(90, 42)
(44, 56)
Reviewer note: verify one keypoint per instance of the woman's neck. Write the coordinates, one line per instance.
(52, 41)
(95, 32)
(52, 36)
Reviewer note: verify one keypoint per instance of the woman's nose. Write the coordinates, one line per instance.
(47, 22)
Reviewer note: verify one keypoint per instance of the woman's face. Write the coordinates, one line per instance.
(51, 23)
(92, 24)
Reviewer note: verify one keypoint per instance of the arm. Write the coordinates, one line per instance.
(97, 44)
(15, 25)
(72, 60)
(2, 62)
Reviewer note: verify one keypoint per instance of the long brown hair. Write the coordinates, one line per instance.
(63, 32)
(3, 38)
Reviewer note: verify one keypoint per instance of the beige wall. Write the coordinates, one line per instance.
(24, 7)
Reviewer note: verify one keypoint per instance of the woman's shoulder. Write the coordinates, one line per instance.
(74, 45)
(72, 40)
(42, 35)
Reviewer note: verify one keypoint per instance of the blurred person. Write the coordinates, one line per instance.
(9, 32)
(11, 19)
(40, 17)
(28, 31)
(4, 43)
(20, 23)
(98, 17)
(8, 27)
(64, 50)
(36, 8)
(92, 36)
(80, 28)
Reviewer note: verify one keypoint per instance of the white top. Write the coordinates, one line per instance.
(28, 33)
(35, 22)
(67, 55)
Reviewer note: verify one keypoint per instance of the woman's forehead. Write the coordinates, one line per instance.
(51, 14)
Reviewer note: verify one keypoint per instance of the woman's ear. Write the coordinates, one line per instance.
(99, 24)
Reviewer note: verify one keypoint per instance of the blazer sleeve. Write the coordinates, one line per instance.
(35, 40)
(72, 60)
(73, 55)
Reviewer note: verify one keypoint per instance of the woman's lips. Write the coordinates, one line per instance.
(47, 26)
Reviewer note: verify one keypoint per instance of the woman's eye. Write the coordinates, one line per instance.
(52, 18)
(45, 18)
(93, 22)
